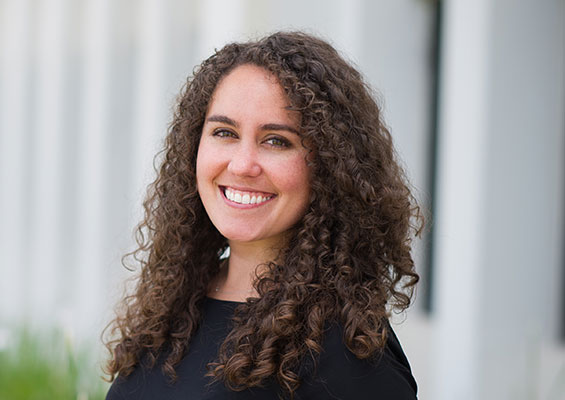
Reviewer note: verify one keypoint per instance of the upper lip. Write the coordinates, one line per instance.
(245, 189)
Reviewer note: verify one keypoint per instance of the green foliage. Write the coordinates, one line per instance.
(48, 368)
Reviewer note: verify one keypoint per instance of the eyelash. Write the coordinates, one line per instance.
(222, 133)
(280, 142)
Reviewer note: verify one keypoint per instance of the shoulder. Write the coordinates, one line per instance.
(341, 375)
(148, 381)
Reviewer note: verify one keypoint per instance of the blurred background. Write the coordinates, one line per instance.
(474, 94)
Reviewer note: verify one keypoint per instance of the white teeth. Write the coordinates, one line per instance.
(244, 198)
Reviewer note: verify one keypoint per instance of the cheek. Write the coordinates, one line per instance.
(202, 166)
(294, 177)
(205, 157)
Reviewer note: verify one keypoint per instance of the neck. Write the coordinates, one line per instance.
(235, 281)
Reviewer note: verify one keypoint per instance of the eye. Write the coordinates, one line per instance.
(224, 133)
(277, 141)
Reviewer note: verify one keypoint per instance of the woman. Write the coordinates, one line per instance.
(276, 238)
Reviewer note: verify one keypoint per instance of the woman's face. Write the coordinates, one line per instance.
(251, 166)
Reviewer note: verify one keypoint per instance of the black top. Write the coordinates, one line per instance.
(339, 373)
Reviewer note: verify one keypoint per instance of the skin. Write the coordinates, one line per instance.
(250, 145)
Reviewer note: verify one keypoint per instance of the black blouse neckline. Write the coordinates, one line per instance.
(208, 298)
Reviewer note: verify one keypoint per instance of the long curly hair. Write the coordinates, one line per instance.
(348, 260)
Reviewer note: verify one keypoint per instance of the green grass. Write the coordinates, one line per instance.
(48, 368)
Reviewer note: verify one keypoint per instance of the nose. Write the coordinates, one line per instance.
(244, 161)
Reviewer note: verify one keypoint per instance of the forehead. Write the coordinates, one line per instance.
(249, 86)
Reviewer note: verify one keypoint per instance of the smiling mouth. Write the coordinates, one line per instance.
(243, 197)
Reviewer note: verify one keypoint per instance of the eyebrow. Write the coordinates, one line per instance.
(223, 119)
(266, 127)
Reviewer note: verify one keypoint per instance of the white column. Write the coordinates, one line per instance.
(500, 200)
(230, 15)
(92, 185)
(460, 203)
(524, 192)
(15, 29)
(46, 158)
(152, 109)
(350, 30)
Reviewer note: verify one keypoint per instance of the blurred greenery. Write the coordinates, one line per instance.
(48, 367)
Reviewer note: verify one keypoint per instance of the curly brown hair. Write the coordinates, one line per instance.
(348, 260)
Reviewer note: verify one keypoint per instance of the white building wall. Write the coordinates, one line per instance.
(461, 199)
(500, 214)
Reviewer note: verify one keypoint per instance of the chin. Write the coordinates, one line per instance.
(238, 236)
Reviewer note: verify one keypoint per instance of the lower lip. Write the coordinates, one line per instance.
(243, 206)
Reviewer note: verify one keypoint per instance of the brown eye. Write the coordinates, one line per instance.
(277, 141)
(224, 133)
